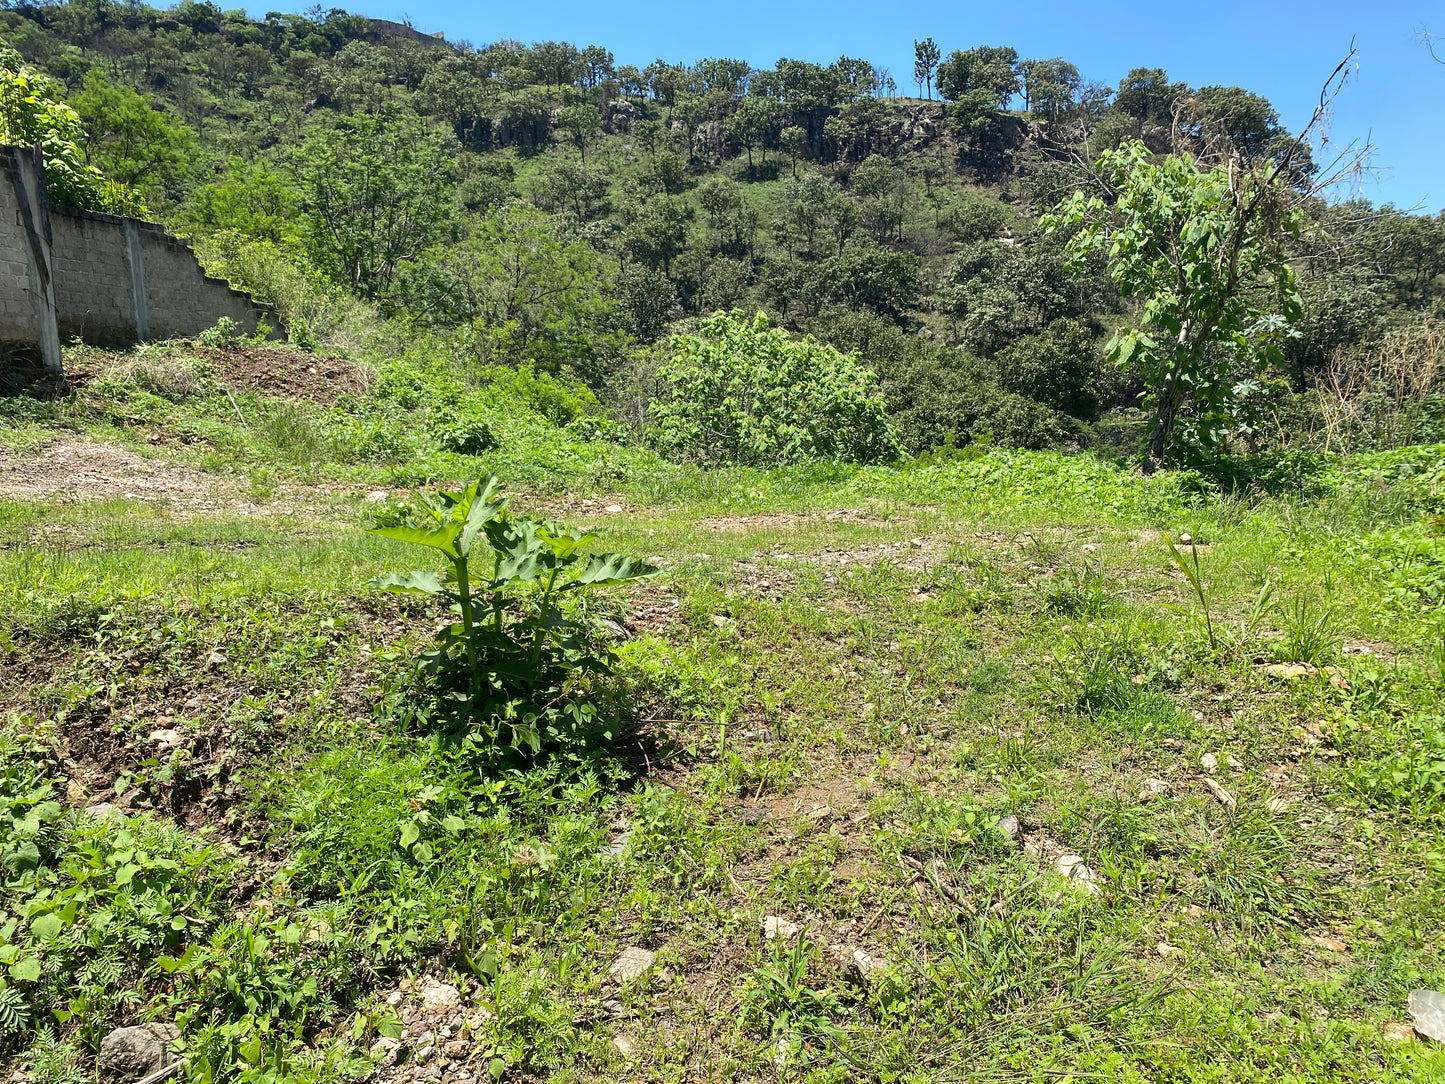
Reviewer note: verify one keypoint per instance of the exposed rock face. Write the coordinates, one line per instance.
(136, 1052)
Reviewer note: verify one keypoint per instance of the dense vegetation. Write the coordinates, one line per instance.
(683, 605)
(543, 206)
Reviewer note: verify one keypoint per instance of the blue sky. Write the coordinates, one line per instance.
(1395, 100)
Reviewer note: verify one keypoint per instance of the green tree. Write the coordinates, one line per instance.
(748, 393)
(1049, 86)
(1202, 253)
(374, 190)
(253, 199)
(131, 142)
(31, 112)
(925, 59)
(582, 123)
(1146, 94)
(748, 126)
(793, 139)
(988, 74)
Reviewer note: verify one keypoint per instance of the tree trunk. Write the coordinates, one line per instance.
(1165, 412)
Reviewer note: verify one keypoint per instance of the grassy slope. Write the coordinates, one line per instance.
(887, 661)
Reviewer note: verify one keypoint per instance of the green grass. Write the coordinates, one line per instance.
(1036, 653)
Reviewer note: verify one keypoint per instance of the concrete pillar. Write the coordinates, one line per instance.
(22, 172)
(135, 259)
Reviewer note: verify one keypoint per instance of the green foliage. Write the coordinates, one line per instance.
(1203, 253)
(510, 663)
(31, 112)
(744, 392)
(132, 143)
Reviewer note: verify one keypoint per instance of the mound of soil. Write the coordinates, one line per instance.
(283, 371)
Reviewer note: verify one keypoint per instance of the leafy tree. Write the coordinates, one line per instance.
(374, 193)
(525, 294)
(1049, 86)
(1147, 95)
(793, 139)
(925, 59)
(31, 112)
(748, 393)
(582, 123)
(1057, 367)
(647, 300)
(656, 230)
(252, 198)
(131, 142)
(979, 83)
(748, 126)
(869, 276)
(1202, 252)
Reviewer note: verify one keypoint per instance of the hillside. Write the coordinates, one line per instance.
(695, 596)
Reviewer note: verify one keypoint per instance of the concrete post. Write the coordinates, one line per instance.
(23, 170)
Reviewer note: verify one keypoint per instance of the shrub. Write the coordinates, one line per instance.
(225, 335)
(744, 392)
(1057, 367)
(466, 436)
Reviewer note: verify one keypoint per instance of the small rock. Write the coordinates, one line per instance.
(1399, 1032)
(616, 848)
(1428, 1009)
(624, 1046)
(915, 543)
(455, 1048)
(387, 1049)
(439, 996)
(755, 814)
(166, 739)
(1234, 763)
(103, 811)
(1165, 949)
(1277, 806)
(1289, 671)
(613, 1007)
(613, 509)
(478, 1019)
(720, 620)
(376, 496)
(1209, 762)
(215, 660)
(858, 967)
(631, 963)
(1331, 944)
(775, 927)
(1186, 540)
(424, 1051)
(1225, 798)
(1073, 867)
(1009, 826)
(1154, 786)
(394, 998)
(137, 1052)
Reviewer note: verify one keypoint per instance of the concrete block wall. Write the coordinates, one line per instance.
(104, 279)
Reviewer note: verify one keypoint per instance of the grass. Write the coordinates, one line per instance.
(885, 661)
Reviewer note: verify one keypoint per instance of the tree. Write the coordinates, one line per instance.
(989, 75)
(1147, 95)
(374, 192)
(925, 59)
(748, 126)
(252, 199)
(748, 393)
(581, 122)
(793, 139)
(1049, 86)
(31, 112)
(1202, 252)
(128, 140)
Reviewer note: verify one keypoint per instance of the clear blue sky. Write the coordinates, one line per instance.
(1284, 51)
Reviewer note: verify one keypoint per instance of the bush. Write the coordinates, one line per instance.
(1057, 367)
(466, 436)
(747, 393)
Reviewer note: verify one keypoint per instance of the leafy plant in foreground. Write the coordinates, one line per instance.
(509, 659)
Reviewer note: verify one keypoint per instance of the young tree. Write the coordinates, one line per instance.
(129, 141)
(374, 189)
(925, 58)
(748, 126)
(1203, 253)
(793, 139)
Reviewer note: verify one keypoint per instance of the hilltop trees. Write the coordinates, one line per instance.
(925, 59)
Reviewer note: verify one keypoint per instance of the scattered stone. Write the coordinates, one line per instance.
(1073, 868)
(720, 620)
(859, 968)
(103, 811)
(1153, 787)
(775, 927)
(166, 739)
(1209, 762)
(1332, 944)
(1234, 763)
(1088, 547)
(215, 660)
(613, 509)
(1428, 1009)
(1289, 671)
(616, 848)
(1277, 806)
(1166, 950)
(916, 543)
(1009, 826)
(1186, 540)
(1399, 1032)
(376, 496)
(394, 998)
(1225, 798)
(136, 1052)
(439, 997)
(455, 1048)
(624, 1046)
(389, 1050)
(631, 963)
(755, 814)
(613, 1007)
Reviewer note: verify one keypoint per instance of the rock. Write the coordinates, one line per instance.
(1277, 806)
(389, 1050)
(613, 509)
(394, 998)
(755, 814)
(616, 848)
(1225, 798)
(455, 1048)
(624, 1046)
(376, 496)
(1153, 787)
(1209, 762)
(103, 811)
(859, 968)
(439, 996)
(1009, 826)
(775, 927)
(1330, 944)
(1165, 949)
(1073, 867)
(1289, 671)
(631, 963)
(166, 739)
(1399, 1031)
(136, 1052)
(720, 620)
(215, 660)
(1428, 1009)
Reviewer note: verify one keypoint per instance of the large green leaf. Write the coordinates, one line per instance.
(609, 568)
(444, 538)
(484, 506)
(415, 582)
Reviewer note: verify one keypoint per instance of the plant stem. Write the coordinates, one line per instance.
(464, 591)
